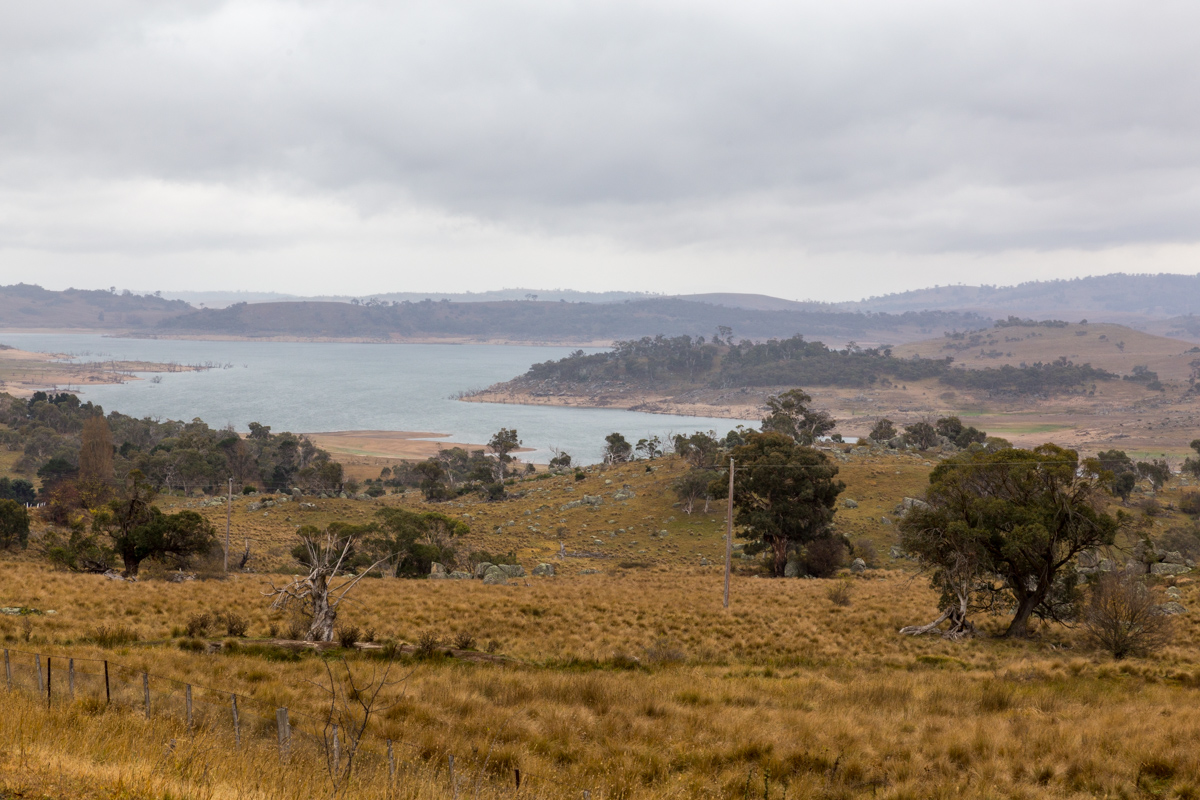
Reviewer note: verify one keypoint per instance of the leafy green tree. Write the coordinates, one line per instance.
(650, 447)
(692, 487)
(884, 430)
(920, 435)
(411, 540)
(961, 435)
(502, 444)
(784, 494)
(1158, 472)
(17, 489)
(617, 450)
(14, 524)
(139, 530)
(791, 416)
(1192, 465)
(1005, 527)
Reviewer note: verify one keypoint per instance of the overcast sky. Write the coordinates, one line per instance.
(810, 150)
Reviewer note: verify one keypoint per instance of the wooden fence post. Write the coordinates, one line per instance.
(107, 693)
(453, 786)
(188, 699)
(7, 670)
(49, 678)
(285, 731)
(517, 776)
(237, 726)
(146, 692)
(37, 663)
(71, 677)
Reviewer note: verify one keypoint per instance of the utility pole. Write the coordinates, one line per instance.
(228, 518)
(729, 534)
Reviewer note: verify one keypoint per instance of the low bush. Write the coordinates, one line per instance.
(198, 624)
(112, 636)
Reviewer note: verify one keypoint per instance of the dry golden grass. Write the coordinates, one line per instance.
(633, 683)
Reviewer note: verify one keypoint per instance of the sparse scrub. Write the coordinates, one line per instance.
(1123, 617)
(839, 593)
(464, 640)
(427, 644)
(199, 624)
(115, 635)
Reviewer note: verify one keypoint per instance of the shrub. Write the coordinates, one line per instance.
(199, 624)
(348, 635)
(664, 651)
(1185, 541)
(493, 646)
(112, 636)
(427, 644)
(839, 593)
(463, 640)
(1190, 503)
(1123, 617)
(824, 557)
(236, 624)
(865, 549)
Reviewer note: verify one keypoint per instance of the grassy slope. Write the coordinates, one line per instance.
(826, 698)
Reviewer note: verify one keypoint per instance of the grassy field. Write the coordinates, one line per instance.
(630, 682)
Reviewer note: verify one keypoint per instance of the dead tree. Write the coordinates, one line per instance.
(319, 593)
(958, 581)
(352, 701)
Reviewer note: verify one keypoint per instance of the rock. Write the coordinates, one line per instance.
(1106, 565)
(113, 575)
(1174, 593)
(589, 572)
(858, 566)
(1168, 569)
(908, 504)
(704, 562)
(1089, 559)
(255, 506)
(848, 503)
(897, 551)
(295, 492)
(1173, 557)
(1136, 567)
(482, 568)
(495, 576)
(794, 568)
(544, 570)
(513, 570)
(437, 569)
(884, 521)
(459, 576)
(1172, 608)
(624, 493)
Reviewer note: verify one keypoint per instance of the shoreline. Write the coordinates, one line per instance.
(649, 404)
(110, 333)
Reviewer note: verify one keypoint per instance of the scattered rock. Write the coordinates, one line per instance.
(458, 575)
(1168, 569)
(544, 570)
(1174, 593)
(858, 566)
(513, 570)
(908, 504)
(848, 503)
(897, 551)
(1172, 608)
(1136, 567)
(482, 568)
(437, 569)
(1173, 558)
(589, 572)
(495, 576)
(113, 575)
(794, 568)
(884, 521)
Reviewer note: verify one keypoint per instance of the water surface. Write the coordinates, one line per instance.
(334, 386)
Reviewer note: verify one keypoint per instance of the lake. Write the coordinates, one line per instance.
(334, 386)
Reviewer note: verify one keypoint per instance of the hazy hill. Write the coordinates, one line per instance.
(26, 306)
(1109, 297)
(553, 321)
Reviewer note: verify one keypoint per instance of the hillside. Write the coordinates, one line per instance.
(540, 321)
(24, 306)
(1119, 297)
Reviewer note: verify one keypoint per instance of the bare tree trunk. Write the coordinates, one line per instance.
(780, 546)
(324, 614)
(1019, 627)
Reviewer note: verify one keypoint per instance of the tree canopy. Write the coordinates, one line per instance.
(1003, 525)
(784, 494)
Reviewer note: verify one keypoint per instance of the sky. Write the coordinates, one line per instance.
(808, 150)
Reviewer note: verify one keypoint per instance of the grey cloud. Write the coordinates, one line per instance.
(919, 127)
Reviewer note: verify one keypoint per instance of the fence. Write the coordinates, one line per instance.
(240, 721)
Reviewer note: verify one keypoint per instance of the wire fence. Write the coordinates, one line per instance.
(239, 722)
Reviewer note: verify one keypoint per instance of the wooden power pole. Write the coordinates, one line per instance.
(228, 518)
(729, 534)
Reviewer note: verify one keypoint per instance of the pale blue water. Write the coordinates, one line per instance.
(311, 387)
